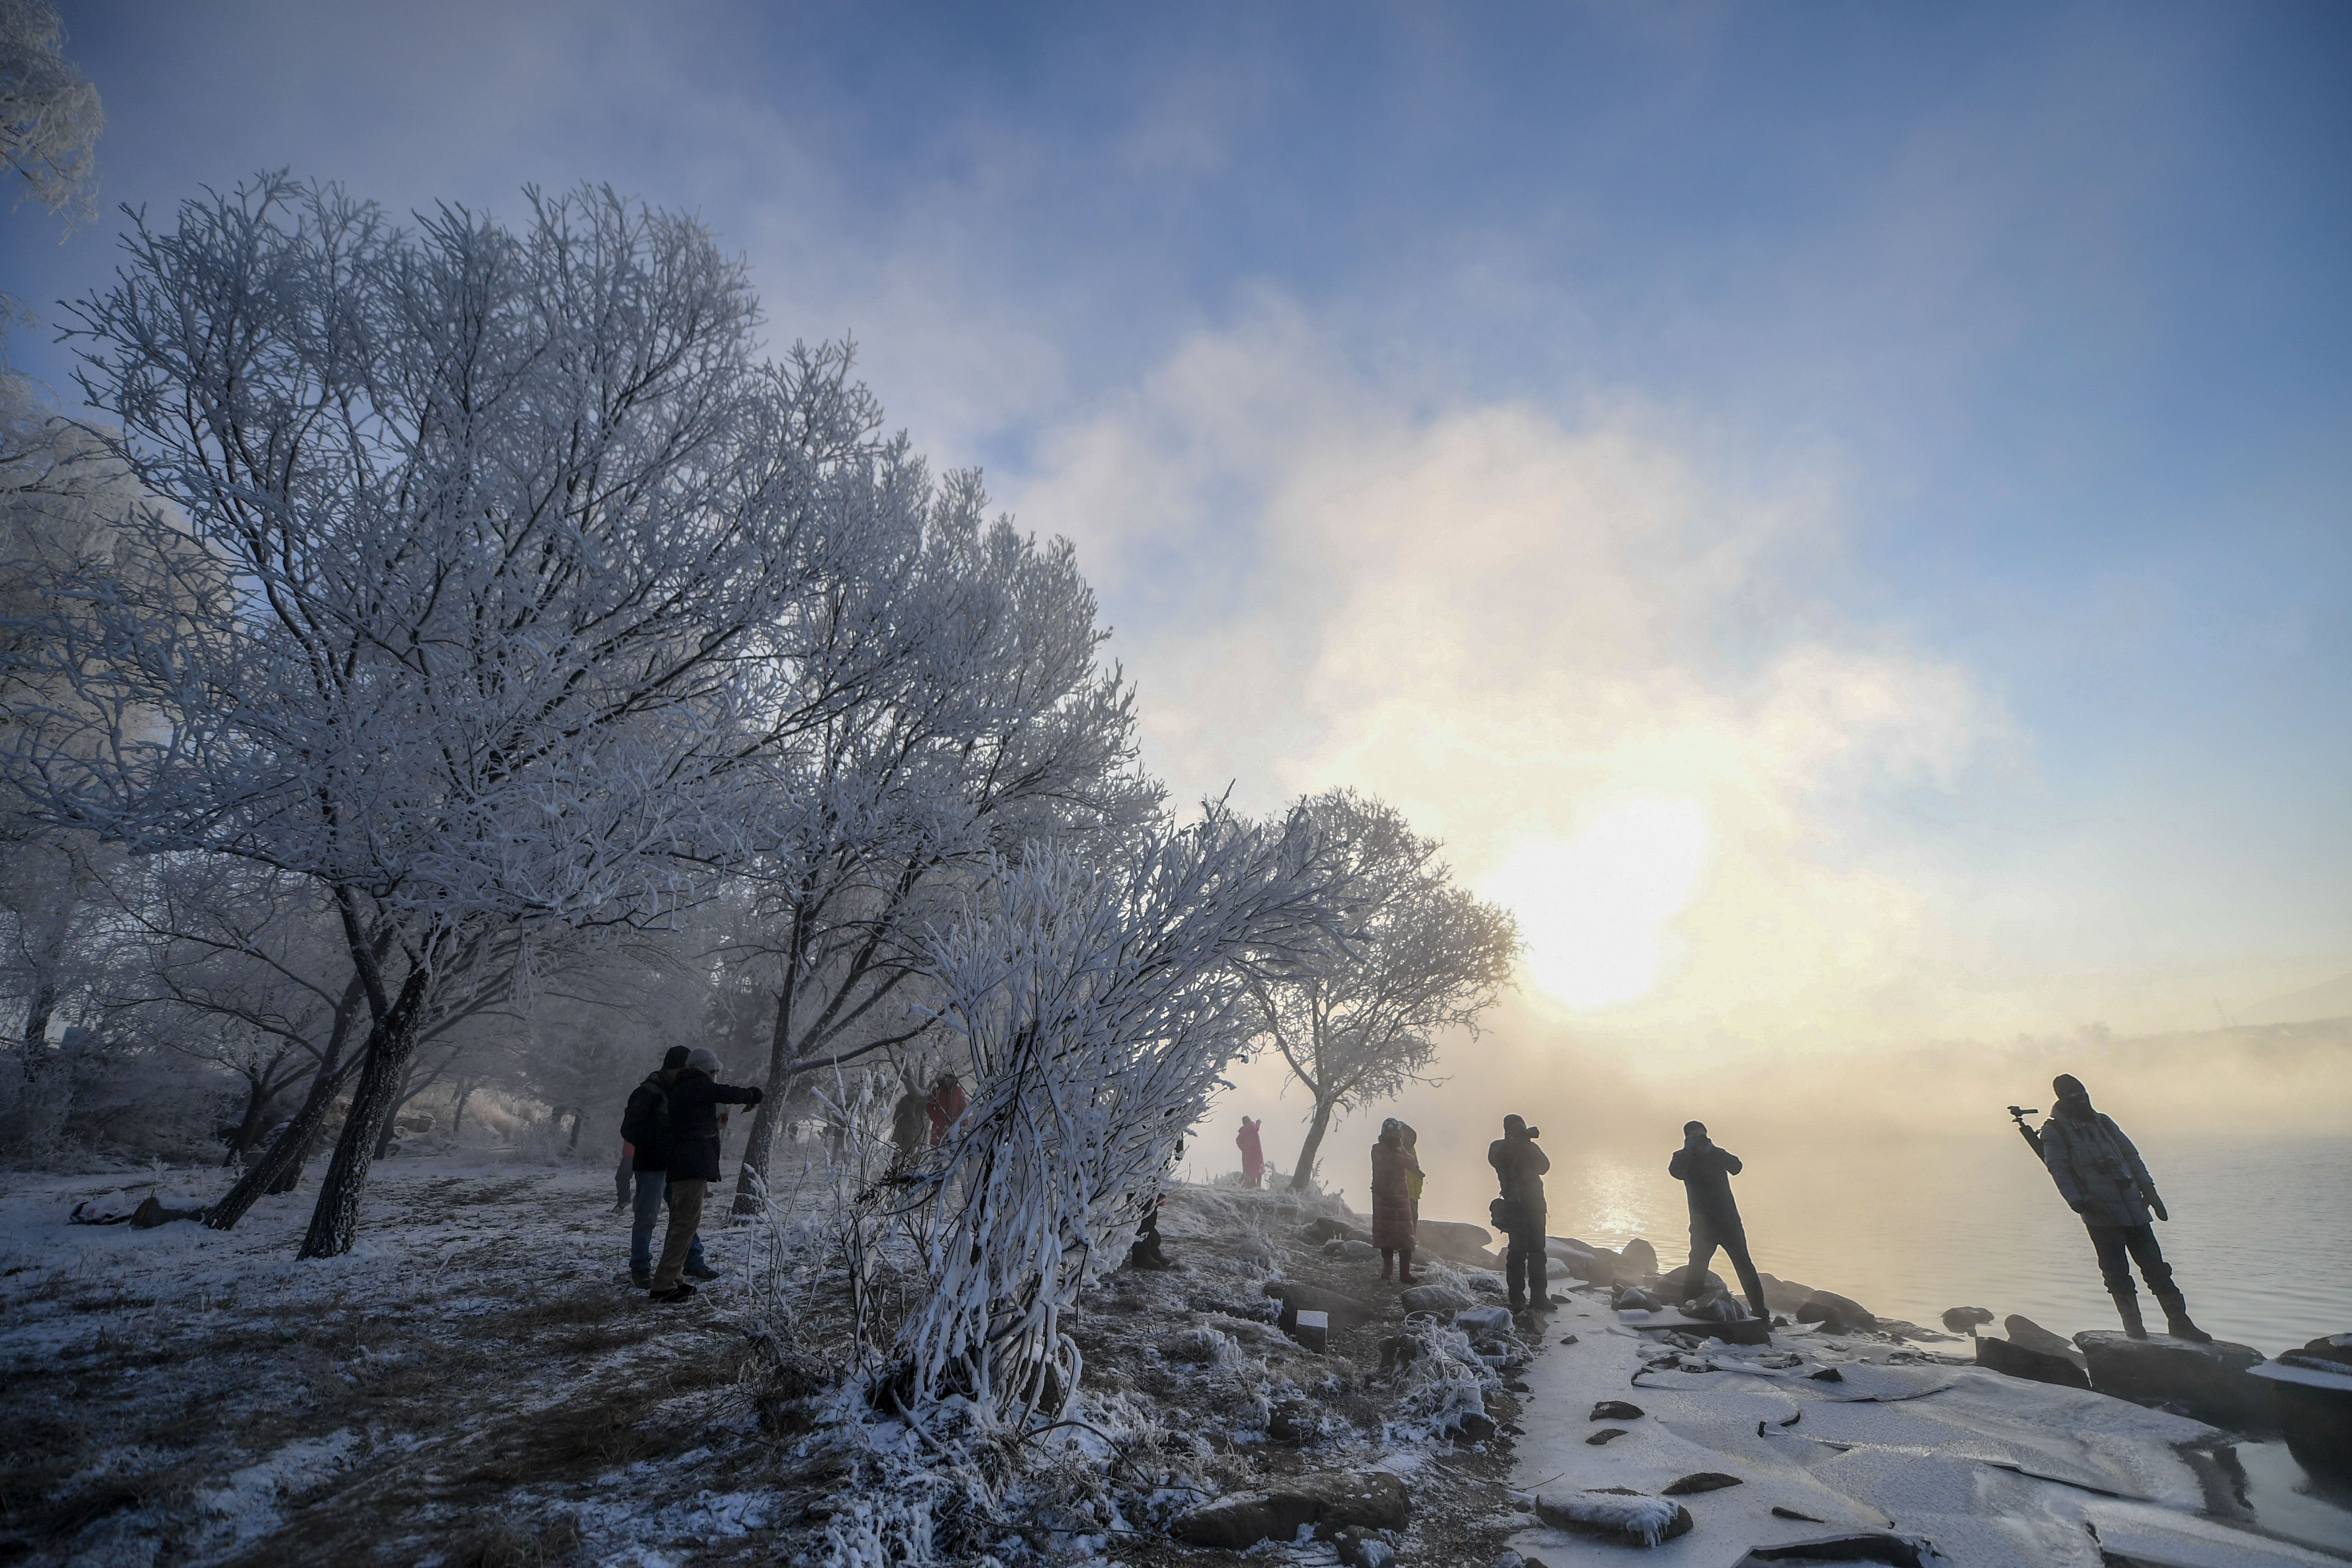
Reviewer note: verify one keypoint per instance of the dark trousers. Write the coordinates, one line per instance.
(1734, 1242)
(1524, 1265)
(2118, 1247)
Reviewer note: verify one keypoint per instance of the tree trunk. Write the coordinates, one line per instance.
(249, 1125)
(381, 1067)
(37, 1022)
(1301, 1177)
(384, 1141)
(765, 1115)
(285, 1156)
(573, 1146)
(458, 1117)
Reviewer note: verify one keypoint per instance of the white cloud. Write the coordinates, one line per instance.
(1510, 626)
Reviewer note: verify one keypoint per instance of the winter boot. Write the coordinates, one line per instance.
(681, 1292)
(2177, 1321)
(1405, 1276)
(642, 1278)
(694, 1270)
(1388, 1265)
(2127, 1308)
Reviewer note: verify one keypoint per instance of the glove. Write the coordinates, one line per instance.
(2157, 1204)
(758, 1095)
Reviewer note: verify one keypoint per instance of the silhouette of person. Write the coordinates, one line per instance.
(1519, 1212)
(1706, 1173)
(2102, 1179)
(1252, 1152)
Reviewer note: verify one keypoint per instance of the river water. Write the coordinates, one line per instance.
(2260, 1237)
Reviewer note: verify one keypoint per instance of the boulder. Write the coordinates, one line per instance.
(1616, 1410)
(2209, 1381)
(1700, 1482)
(1967, 1319)
(1861, 1546)
(1325, 1228)
(1626, 1518)
(1349, 1249)
(2039, 1366)
(1438, 1296)
(1638, 1258)
(1312, 1330)
(1673, 1285)
(1294, 1421)
(1838, 1314)
(1471, 1425)
(1783, 1295)
(152, 1214)
(2313, 1387)
(1606, 1436)
(1481, 1321)
(2023, 1330)
(1453, 1238)
(1633, 1299)
(1362, 1500)
(1343, 1312)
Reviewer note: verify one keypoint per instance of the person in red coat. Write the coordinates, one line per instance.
(1393, 1168)
(1252, 1152)
(945, 1106)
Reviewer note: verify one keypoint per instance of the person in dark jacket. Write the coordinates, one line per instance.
(647, 1125)
(1519, 1212)
(1706, 1173)
(1393, 1168)
(908, 1123)
(695, 1097)
(2102, 1179)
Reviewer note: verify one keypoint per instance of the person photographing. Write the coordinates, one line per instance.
(2104, 1180)
(1519, 1214)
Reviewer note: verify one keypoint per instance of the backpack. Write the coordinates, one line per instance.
(645, 1123)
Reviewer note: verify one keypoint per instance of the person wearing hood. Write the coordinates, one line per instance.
(2102, 1179)
(695, 1097)
(647, 1127)
(1519, 1214)
(1706, 1173)
(1393, 1229)
(909, 1126)
(1252, 1152)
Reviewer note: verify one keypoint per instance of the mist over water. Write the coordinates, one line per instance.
(1897, 1179)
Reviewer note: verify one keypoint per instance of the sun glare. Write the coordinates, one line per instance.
(1594, 910)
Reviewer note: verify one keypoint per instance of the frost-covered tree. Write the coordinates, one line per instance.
(1099, 1007)
(49, 113)
(1364, 1015)
(998, 732)
(499, 556)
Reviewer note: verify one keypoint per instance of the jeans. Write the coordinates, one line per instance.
(2118, 1246)
(1524, 1265)
(653, 1191)
(686, 1195)
(1734, 1242)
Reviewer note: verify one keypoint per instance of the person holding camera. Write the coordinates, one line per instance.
(1706, 1173)
(2102, 1179)
(1519, 1212)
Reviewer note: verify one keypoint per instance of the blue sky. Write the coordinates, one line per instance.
(1946, 413)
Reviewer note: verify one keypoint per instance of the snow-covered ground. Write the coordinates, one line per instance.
(1990, 1470)
(477, 1383)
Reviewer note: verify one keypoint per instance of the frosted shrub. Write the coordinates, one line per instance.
(1098, 1011)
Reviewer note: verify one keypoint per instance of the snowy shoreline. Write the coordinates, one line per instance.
(477, 1383)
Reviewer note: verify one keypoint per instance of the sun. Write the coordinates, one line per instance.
(1594, 910)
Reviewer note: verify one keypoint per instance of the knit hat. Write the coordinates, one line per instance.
(675, 1057)
(703, 1059)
